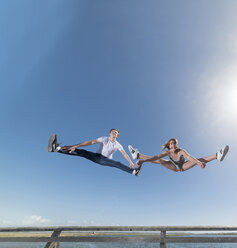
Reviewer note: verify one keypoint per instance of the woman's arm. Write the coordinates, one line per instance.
(191, 158)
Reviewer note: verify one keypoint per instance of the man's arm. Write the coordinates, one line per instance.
(85, 143)
(128, 159)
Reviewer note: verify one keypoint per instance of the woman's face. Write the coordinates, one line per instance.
(172, 144)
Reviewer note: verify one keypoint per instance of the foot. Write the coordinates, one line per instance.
(134, 152)
(138, 170)
(52, 146)
(221, 154)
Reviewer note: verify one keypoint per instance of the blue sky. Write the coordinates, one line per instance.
(152, 69)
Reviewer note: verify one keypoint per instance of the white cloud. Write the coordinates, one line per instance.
(37, 220)
(72, 223)
(34, 220)
(6, 223)
(82, 223)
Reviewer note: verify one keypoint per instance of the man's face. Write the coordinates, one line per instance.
(114, 134)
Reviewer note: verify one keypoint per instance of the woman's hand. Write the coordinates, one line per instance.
(139, 162)
(202, 165)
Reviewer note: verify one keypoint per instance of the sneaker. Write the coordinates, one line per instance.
(138, 170)
(52, 145)
(222, 152)
(58, 148)
(134, 152)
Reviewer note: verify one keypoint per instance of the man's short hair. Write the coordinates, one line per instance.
(113, 130)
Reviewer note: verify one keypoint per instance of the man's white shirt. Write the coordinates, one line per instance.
(108, 148)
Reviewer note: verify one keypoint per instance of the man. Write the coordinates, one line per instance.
(108, 146)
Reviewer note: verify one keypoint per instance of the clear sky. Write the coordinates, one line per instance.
(152, 69)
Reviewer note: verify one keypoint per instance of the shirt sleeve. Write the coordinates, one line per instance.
(102, 139)
(119, 146)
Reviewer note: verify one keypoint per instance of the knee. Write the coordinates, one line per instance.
(102, 161)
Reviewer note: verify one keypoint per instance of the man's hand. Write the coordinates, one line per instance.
(139, 162)
(132, 166)
(69, 149)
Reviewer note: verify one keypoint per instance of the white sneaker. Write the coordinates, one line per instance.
(134, 152)
(221, 154)
(58, 148)
(52, 145)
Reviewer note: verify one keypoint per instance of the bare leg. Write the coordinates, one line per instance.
(189, 164)
(142, 156)
(166, 163)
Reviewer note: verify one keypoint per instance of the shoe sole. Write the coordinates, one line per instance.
(139, 170)
(52, 139)
(131, 148)
(224, 152)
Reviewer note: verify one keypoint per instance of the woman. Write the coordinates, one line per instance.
(177, 157)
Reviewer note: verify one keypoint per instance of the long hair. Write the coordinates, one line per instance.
(167, 144)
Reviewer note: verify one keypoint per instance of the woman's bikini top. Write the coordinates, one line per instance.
(180, 161)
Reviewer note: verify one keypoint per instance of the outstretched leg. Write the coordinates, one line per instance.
(99, 159)
(142, 156)
(189, 164)
(166, 163)
(220, 155)
(82, 153)
(95, 157)
(112, 163)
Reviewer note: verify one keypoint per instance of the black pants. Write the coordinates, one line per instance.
(99, 159)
